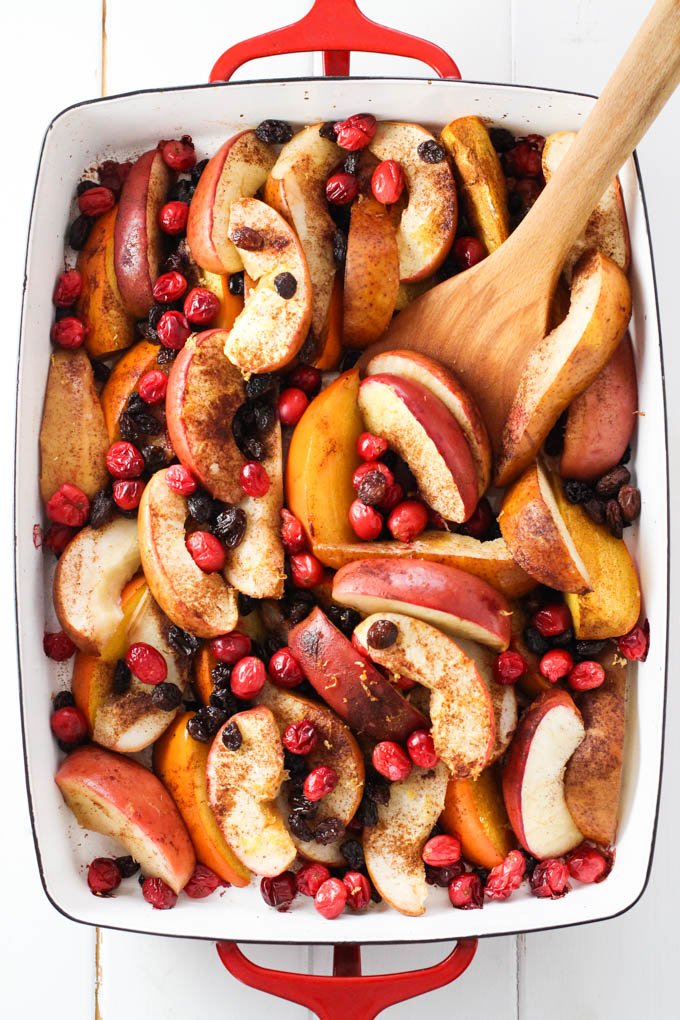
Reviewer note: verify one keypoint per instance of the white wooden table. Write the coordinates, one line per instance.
(54, 54)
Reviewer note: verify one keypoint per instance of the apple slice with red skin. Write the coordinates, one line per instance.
(116, 796)
(450, 599)
(204, 392)
(424, 432)
(138, 239)
(444, 385)
(503, 696)
(347, 681)
(533, 777)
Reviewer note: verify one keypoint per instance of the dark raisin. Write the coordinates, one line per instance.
(285, 285)
(155, 457)
(378, 789)
(223, 699)
(515, 208)
(328, 131)
(102, 509)
(382, 634)
(246, 604)
(274, 132)
(191, 705)
(562, 640)
(166, 356)
(260, 384)
(231, 736)
(197, 729)
(146, 332)
(121, 677)
(128, 430)
(372, 488)
(236, 285)
(127, 866)
(230, 526)
(340, 215)
(375, 895)
(339, 247)
(630, 502)
(609, 485)
(595, 510)
(84, 186)
(349, 360)
(351, 164)
(577, 492)
(299, 827)
(625, 456)
(330, 830)
(213, 717)
(298, 611)
(589, 649)
(62, 313)
(79, 231)
(254, 449)
(368, 812)
(196, 171)
(265, 418)
(220, 675)
(535, 641)
(352, 851)
(431, 151)
(174, 262)
(64, 699)
(294, 764)
(272, 644)
(614, 518)
(555, 439)
(166, 696)
(182, 641)
(501, 139)
(443, 877)
(182, 190)
(144, 423)
(248, 238)
(344, 618)
(301, 806)
(142, 878)
(202, 507)
(100, 370)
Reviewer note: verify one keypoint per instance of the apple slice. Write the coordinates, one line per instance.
(90, 576)
(345, 679)
(231, 305)
(123, 381)
(601, 421)
(394, 846)
(116, 796)
(538, 536)
(73, 437)
(271, 329)
(566, 362)
(607, 228)
(424, 432)
(110, 327)
(204, 393)
(138, 240)
(475, 813)
(242, 789)
(447, 388)
(455, 602)
(371, 273)
(201, 603)
(533, 778)
(428, 223)
(503, 696)
(239, 168)
(336, 747)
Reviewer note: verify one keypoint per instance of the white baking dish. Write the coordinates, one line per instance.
(123, 125)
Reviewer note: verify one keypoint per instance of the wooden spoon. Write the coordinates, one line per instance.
(486, 322)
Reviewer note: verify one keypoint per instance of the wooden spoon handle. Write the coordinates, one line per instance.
(640, 86)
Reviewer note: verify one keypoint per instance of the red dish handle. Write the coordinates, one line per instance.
(347, 993)
(334, 27)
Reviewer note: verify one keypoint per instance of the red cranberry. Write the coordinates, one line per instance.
(358, 890)
(173, 217)
(634, 646)
(284, 669)
(320, 782)
(310, 878)
(231, 647)
(127, 494)
(123, 460)
(528, 191)
(169, 287)
(179, 154)
(207, 552)
(173, 330)
(467, 252)
(508, 667)
(370, 447)
(480, 523)
(522, 161)
(103, 876)
(356, 132)
(442, 851)
(292, 533)
(254, 479)
(552, 620)
(248, 677)
(300, 737)
(158, 894)
(201, 306)
(506, 877)
(147, 663)
(556, 664)
(408, 520)
(279, 891)
(341, 188)
(366, 522)
(69, 505)
(203, 882)
(57, 537)
(69, 726)
(292, 405)
(180, 479)
(392, 498)
(331, 898)
(586, 676)
(306, 378)
(371, 465)
(420, 747)
(306, 570)
(58, 646)
(68, 333)
(387, 182)
(589, 864)
(391, 761)
(96, 201)
(466, 893)
(550, 878)
(152, 386)
(68, 289)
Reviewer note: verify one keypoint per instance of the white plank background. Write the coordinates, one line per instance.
(55, 54)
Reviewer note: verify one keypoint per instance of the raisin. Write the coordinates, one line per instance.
(155, 457)
(248, 238)
(372, 488)
(212, 718)
(353, 853)
(220, 675)
(236, 284)
(165, 356)
(349, 360)
(231, 736)
(563, 640)
(328, 131)
(351, 164)
(431, 151)
(196, 171)
(274, 132)
(223, 699)
(166, 697)
(197, 729)
(102, 509)
(501, 139)
(555, 439)
(100, 370)
(339, 247)
(254, 449)
(79, 231)
(368, 812)
(121, 677)
(626, 455)
(630, 502)
(298, 611)
(443, 877)
(301, 806)
(182, 641)
(589, 649)
(64, 699)
(202, 507)
(144, 423)
(609, 485)
(285, 285)
(127, 866)
(182, 191)
(378, 789)
(230, 526)
(595, 510)
(299, 827)
(265, 418)
(174, 262)
(260, 384)
(330, 830)
(344, 618)
(382, 634)
(577, 492)
(535, 641)
(246, 604)
(614, 518)
(295, 765)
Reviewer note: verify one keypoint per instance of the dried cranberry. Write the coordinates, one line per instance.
(320, 782)
(123, 460)
(248, 239)
(169, 287)
(300, 737)
(231, 647)
(634, 645)
(127, 494)
(173, 217)
(588, 863)
(306, 571)
(552, 619)
(69, 726)
(279, 891)
(58, 646)
(69, 505)
(466, 892)
(173, 330)
(57, 537)
(248, 677)
(421, 749)
(306, 378)
(68, 333)
(391, 761)
(201, 306)
(467, 252)
(341, 188)
(431, 151)
(158, 894)
(508, 667)
(203, 882)
(179, 154)
(103, 876)
(331, 898)
(152, 386)
(254, 479)
(585, 676)
(292, 405)
(206, 551)
(550, 878)
(179, 479)
(147, 663)
(355, 132)
(506, 877)
(407, 520)
(387, 182)
(481, 521)
(358, 890)
(310, 878)
(292, 533)
(442, 851)
(366, 522)
(556, 664)
(284, 669)
(67, 289)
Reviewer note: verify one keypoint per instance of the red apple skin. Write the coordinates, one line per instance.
(140, 797)
(518, 753)
(431, 585)
(199, 226)
(138, 240)
(442, 428)
(207, 439)
(602, 419)
(349, 682)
